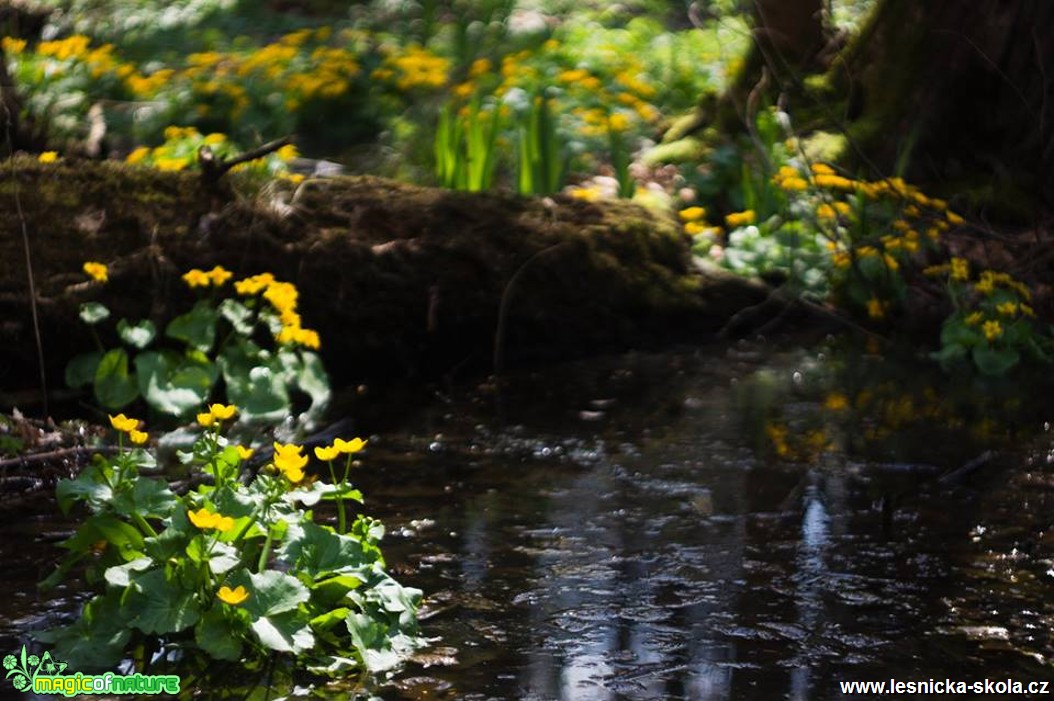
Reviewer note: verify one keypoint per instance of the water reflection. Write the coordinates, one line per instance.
(680, 547)
(687, 561)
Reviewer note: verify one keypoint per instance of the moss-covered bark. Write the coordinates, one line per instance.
(399, 280)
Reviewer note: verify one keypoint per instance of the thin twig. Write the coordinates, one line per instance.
(27, 460)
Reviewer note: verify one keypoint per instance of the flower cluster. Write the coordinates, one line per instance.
(216, 277)
(209, 520)
(130, 427)
(290, 461)
(283, 297)
(217, 414)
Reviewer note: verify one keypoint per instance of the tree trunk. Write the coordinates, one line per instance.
(958, 93)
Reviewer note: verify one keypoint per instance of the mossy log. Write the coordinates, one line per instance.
(400, 281)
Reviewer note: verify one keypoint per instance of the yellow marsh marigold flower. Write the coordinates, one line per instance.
(219, 275)
(48, 157)
(97, 271)
(207, 520)
(694, 228)
(289, 461)
(350, 447)
(737, 219)
(833, 181)
(243, 452)
(992, 330)
(794, 184)
(960, 269)
(876, 309)
(330, 452)
(821, 169)
(206, 419)
(123, 423)
(1007, 308)
(223, 412)
(974, 319)
(826, 211)
(232, 596)
(138, 437)
(690, 214)
(137, 155)
(836, 402)
(953, 218)
(196, 278)
(252, 285)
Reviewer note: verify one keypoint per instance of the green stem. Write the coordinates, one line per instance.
(143, 525)
(265, 553)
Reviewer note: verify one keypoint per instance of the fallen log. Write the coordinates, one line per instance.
(400, 281)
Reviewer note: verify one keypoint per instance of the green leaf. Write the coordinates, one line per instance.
(81, 370)
(214, 635)
(90, 486)
(137, 335)
(270, 592)
(196, 328)
(316, 550)
(995, 361)
(313, 380)
(96, 641)
(150, 498)
(161, 606)
(284, 633)
(114, 387)
(121, 575)
(239, 316)
(263, 397)
(174, 384)
(92, 313)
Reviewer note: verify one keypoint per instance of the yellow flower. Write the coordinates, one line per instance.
(694, 228)
(835, 181)
(289, 461)
(330, 452)
(206, 419)
(974, 319)
(821, 169)
(196, 278)
(794, 184)
(243, 452)
(992, 329)
(252, 285)
(221, 412)
(97, 271)
(1007, 308)
(737, 219)
(219, 275)
(48, 157)
(124, 423)
(137, 155)
(138, 437)
(836, 401)
(287, 152)
(207, 520)
(875, 308)
(953, 218)
(960, 269)
(232, 596)
(352, 446)
(826, 211)
(690, 214)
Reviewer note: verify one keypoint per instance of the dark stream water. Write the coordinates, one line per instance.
(728, 523)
